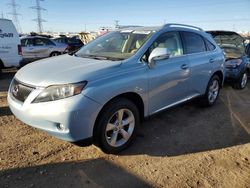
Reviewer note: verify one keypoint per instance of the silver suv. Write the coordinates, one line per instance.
(103, 91)
(37, 47)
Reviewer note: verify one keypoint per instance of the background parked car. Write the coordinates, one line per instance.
(73, 42)
(37, 47)
(237, 64)
(10, 48)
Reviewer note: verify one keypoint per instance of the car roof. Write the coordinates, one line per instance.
(32, 37)
(222, 32)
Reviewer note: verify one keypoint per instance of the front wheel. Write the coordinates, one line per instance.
(242, 82)
(116, 126)
(212, 92)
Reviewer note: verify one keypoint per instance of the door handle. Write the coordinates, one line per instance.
(184, 66)
(211, 61)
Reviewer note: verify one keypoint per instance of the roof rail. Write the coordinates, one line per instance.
(182, 25)
(128, 26)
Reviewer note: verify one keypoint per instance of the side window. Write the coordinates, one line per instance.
(170, 40)
(210, 46)
(26, 42)
(42, 42)
(194, 43)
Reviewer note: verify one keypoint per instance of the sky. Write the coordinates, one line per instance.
(78, 15)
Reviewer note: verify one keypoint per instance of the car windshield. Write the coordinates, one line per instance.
(118, 45)
(232, 44)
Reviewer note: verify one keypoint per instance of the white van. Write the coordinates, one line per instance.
(10, 47)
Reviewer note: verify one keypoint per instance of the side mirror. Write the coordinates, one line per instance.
(158, 54)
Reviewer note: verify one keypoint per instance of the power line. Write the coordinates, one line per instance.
(15, 15)
(39, 19)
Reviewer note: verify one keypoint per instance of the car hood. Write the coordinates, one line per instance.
(65, 69)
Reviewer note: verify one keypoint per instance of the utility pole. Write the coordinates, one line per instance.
(15, 15)
(117, 24)
(39, 19)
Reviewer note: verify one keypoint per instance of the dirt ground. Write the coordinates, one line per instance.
(185, 146)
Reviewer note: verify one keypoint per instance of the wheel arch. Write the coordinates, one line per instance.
(220, 75)
(133, 97)
(1, 64)
(54, 52)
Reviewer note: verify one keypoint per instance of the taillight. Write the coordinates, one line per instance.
(19, 47)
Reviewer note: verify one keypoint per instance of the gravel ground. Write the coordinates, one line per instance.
(185, 146)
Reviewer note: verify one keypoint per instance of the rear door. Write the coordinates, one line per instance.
(201, 61)
(168, 80)
(43, 47)
(28, 48)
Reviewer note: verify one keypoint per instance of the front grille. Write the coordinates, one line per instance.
(20, 91)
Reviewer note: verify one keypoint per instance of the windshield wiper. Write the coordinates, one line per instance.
(102, 57)
(115, 58)
(94, 57)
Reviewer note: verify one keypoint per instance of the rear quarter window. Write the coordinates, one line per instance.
(210, 46)
(194, 43)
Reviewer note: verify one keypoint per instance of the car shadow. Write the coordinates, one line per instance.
(189, 129)
(6, 78)
(90, 173)
(5, 111)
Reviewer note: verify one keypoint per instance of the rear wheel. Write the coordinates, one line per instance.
(212, 92)
(1, 68)
(54, 54)
(116, 126)
(242, 82)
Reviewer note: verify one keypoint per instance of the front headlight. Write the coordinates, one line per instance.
(57, 92)
(233, 63)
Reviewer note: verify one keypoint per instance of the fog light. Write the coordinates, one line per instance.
(61, 127)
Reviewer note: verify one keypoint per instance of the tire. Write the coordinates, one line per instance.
(55, 54)
(241, 82)
(112, 134)
(1, 68)
(212, 92)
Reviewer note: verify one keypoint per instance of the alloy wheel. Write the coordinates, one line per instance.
(213, 91)
(120, 127)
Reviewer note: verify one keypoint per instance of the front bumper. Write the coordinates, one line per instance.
(234, 74)
(71, 119)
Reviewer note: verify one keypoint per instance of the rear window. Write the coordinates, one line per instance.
(43, 42)
(194, 43)
(60, 40)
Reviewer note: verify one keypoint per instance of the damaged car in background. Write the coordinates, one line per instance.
(237, 63)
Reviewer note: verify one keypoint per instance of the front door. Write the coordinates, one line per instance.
(168, 80)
